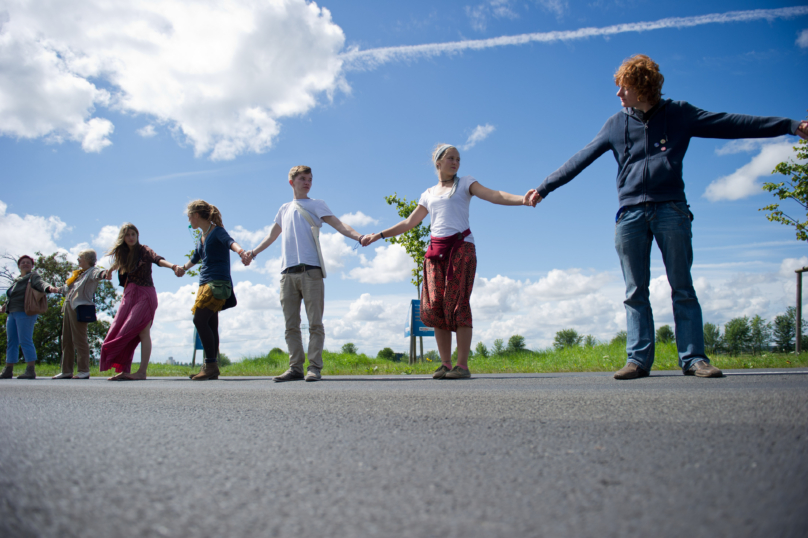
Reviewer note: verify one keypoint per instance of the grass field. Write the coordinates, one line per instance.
(601, 358)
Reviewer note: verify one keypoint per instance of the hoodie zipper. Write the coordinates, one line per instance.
(645, 166)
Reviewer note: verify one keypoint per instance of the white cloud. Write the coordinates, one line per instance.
(478, 15)
(220, 76)
(106, 237)
(744, 181)
(391, 264)
(335, 249)
(802, 39)
(28, 234)
(247, 237)
(147, 131)
(479, 134)
(369, 59)
(557, 7)
(358, 219)
(744, 145)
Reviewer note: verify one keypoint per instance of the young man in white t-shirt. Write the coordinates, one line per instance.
(302, 274)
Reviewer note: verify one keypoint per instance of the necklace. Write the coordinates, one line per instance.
(208, 230)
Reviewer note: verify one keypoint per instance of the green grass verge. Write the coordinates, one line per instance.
(602, 358)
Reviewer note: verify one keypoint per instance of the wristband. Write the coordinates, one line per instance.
(381, 234)
(240, 252)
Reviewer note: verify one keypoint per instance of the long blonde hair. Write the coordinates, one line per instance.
(123, 257)
(206, 211)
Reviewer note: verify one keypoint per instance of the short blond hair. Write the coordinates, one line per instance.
(89, 255)
(297, 170)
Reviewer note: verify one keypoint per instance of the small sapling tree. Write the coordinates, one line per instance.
(567, 338)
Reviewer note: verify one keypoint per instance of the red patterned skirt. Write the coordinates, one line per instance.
(135, 314)
(445, 305)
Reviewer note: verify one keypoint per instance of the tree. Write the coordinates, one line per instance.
(760, 334)
(432, 356)
(481, 350)
(454, 354)
(784, 328)
(620, 338)
(590, 341)
(499, 347)
(794, 188)
(349, 348)
(386, 353)
(224, 360)
(413, 241)
(567, 338)
(55, 270)
(737, 335)
(665, 334)
(712, 338)
(516, 343)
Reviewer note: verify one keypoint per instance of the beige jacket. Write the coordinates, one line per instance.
(82, 291)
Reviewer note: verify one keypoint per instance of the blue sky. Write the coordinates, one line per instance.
(126, 114)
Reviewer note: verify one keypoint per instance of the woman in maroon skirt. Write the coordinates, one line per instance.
(451, 259)
(132, 323)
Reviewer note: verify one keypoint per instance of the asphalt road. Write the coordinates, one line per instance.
(507, 455)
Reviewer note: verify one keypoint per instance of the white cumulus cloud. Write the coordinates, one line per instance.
(106, 237)
(248, 237)
(28, 234)
(147, 131)
(221, 76)
(744, 181)
(358, 219)
(391, 264)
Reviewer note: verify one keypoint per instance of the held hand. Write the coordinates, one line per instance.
(247, 257)
(3, 309)
(802, 130)
(369, 238)
(531, 198)
(179, 271)
(108, 275)
(537, 198)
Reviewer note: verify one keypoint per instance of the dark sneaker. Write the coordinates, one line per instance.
(441, 372)
(630, 371)
(458, 373)
(704, 369)
(311, 375)
(289, 375)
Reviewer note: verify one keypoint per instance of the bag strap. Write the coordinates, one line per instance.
(305, 214)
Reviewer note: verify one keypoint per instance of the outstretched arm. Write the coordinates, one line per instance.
(273, 234)
(342, 228)
(405, 225)
(802, 130)
(502, 197)
(179, 271)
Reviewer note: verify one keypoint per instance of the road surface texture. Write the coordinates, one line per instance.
(498, 455)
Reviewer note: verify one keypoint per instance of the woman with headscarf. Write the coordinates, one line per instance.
(451, 260)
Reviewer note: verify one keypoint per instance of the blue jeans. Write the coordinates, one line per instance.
(20, 333)
(669, 224)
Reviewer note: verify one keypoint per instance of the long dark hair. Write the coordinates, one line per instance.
(125, 258)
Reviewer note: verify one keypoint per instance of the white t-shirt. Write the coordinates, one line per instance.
(297, 244)
(449, 215)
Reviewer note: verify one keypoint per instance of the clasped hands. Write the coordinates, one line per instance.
(247, 256)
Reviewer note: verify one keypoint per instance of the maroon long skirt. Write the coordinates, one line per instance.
(445, 304)
(135, 314)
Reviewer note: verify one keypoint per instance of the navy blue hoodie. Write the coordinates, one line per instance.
(649, 148)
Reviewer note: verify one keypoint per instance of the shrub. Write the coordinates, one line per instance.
(499, 347)
(712, 338)
(223, 360)
(481, 350)
(275, 350)
(387, 354)
(516, 343)
(567, 338)
(349, 348)
(432, 355)
(590, 341)
(620, 338)
(665, 334)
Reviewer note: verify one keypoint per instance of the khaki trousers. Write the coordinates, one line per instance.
(307, 287)
(74, 340)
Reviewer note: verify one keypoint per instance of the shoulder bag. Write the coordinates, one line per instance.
(36, 302)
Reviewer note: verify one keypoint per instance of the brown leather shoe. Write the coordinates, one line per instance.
(704, 369)
(210, 370)
(630, 371)
(288, 375)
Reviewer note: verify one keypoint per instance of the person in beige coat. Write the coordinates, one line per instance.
(79, 292)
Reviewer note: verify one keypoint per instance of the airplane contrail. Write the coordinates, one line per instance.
(359, 60)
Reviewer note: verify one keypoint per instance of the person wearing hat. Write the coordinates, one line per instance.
(649, 138)
(19, 325)
(450, 262)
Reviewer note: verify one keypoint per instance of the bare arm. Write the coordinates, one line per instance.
(501, 197)
(341, 227)
(273, 234)
(415, 218)
(179, 271)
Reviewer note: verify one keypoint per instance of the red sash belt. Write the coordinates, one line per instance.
(442, 248)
